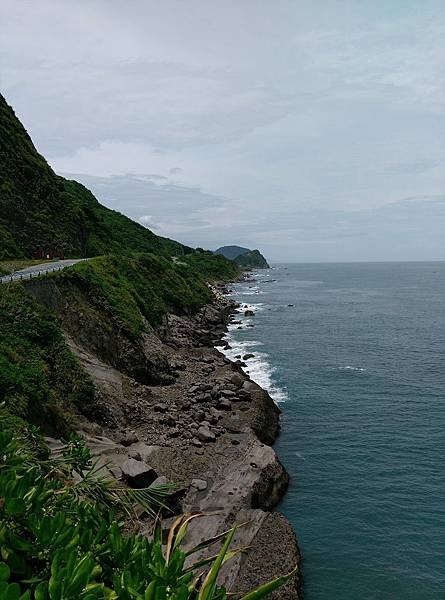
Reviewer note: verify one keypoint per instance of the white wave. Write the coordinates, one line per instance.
(351, 368)
(253, 307)
(258, 367)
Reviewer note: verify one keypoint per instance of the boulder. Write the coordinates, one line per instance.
(128, 438)
(199, 484)
(205, 435)
(248, 355)
(249, 313)
(237, 380)
(137, 474)
(227, 393)
(224, 404)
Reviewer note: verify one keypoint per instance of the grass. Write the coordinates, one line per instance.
(10, 266)
(40, 380)
(144, 287)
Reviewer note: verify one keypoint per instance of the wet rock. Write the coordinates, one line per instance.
(248, 355)
(138, 474)
(249, 313)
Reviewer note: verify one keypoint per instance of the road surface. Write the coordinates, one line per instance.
(42, 269)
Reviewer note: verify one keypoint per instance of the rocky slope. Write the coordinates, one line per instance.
(200, 422)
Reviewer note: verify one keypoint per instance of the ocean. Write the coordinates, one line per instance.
(354, 354)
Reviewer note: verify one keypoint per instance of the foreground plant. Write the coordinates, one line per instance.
(61, 540)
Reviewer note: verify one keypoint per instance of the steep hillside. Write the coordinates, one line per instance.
(40, 210)
(231, 252)
(253, 259)
(244, 257)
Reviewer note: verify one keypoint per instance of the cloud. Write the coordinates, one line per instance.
(284, 124)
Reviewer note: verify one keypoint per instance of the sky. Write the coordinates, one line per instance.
(313, 130)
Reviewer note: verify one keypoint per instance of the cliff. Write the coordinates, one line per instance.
(245, 258)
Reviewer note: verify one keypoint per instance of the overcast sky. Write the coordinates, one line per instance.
(311, 129)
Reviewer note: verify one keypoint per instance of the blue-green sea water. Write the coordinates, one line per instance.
(357, 364)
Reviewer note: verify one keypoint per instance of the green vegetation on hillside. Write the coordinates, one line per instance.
(40, 210)
(231, 252)
(252, 259)
(244, 257)
(145, 286)
(40, 380)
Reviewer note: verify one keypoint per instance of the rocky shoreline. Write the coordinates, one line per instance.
(207, 426)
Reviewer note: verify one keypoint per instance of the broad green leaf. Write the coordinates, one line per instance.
(12, 593)
(4, 571)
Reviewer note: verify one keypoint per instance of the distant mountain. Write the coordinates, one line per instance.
(244, 257)
(41, 211)
(231, 252)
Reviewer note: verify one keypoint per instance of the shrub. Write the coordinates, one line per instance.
(61, 540)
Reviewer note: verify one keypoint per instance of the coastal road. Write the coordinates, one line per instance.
(41, 269)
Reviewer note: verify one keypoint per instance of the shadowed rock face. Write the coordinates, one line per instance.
(210, 429)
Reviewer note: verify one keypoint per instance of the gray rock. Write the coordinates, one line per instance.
(237, 380)
(224, 404)
(199, 484)
(137, 473)
(160, 407)
(227, 393)
(168, 419)
(205, 435)
(162, 480)
(194, 389)
(203, 398)
(135, 454)
(130, 437)
(196, 443)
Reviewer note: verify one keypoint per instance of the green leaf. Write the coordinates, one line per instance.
(207, 589)
(5, 571)
(15, 506)
(12, 593)
(41, 591)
